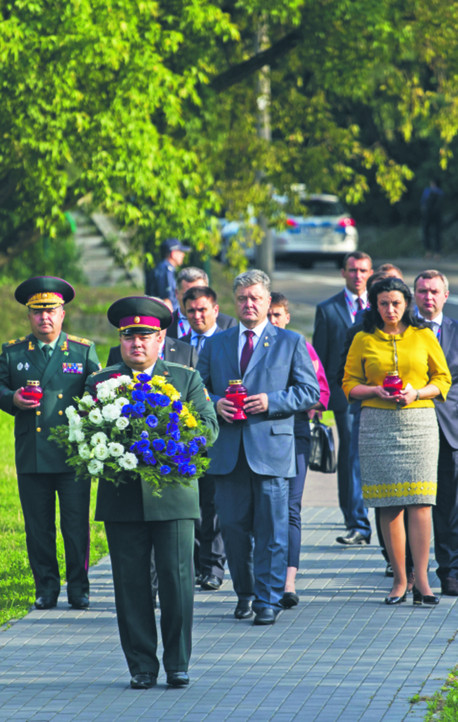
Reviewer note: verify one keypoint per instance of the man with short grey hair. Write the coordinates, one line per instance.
(186, 279)
(431, 293)
(253, 458)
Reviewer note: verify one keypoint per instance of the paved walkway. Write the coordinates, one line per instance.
(340, 655)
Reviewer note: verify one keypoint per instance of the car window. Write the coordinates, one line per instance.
(315, 207)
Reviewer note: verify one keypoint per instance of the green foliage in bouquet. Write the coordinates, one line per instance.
(135, 427)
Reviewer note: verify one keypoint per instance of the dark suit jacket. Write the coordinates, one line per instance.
(187, 339)
(175, 351)
(61, 378)
(282, 368)
(447, 411)
(134, 501)
(332, 320)
(223, 321)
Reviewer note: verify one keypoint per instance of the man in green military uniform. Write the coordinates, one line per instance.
(136, 522)
(61, 364)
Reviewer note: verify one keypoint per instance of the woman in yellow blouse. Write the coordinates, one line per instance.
(399, 438)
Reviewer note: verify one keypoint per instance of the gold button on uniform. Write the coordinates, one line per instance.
(38, 428)
(60, 396)
(38, 413)
(60, 413)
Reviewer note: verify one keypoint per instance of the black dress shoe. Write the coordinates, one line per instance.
(143, 680)
(243, 609)
(396, 600)
(81, 602)
(389, 570)
(198, 580)
(289, 599)
(450, 587)
(354, 537)
(211, 582)
(177, 679)
(45, 602)
(266, 616)
(419, 598)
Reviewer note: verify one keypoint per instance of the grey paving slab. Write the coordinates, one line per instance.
(341, 655)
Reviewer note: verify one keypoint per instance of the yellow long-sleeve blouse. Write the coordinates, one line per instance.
(420, 361)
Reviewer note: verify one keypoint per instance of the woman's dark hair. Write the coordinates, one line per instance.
(372, 318)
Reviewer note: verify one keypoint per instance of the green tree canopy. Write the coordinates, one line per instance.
(149, 110)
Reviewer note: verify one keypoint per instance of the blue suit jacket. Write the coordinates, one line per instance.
(447, 412)
(332, 320)
(281, 367)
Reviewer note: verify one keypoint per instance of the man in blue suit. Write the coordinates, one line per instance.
(431, 293)
(252, 459)
(332, 320)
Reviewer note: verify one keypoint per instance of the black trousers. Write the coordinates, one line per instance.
(130, 545)
(209, 554)
(38, 500)
(445, 513)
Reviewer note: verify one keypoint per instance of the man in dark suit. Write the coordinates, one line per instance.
(431, 293)
(188, 278)
(253, 459)
(60, 364)
(201, 307)
(333, 318)
(136, 522)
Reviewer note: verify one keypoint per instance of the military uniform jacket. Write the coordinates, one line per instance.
(61, 378)
(134, 501)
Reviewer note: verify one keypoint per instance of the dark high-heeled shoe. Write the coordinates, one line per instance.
(419, 598)
(396, 600)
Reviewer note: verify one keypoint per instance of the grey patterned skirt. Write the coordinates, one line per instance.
(398, 451)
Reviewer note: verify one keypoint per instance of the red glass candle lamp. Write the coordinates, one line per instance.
(33, 391)
(392, 383)
(237, 393)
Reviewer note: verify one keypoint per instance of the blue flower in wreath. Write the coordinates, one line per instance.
(201, 440)
(149, 458)
(139, 409)
(174, 418)
(138, 395)
(192, 469)
(171, 448)
(152, 421)
(183, 468)
(144, 378)
(127, 410)
(152, 398)
(163, 400)
(165, 469)
(193, 447)
(159, 444)
(143, 444)
(177, 406)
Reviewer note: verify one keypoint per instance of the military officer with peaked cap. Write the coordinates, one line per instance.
(61, 364)
(136, 522)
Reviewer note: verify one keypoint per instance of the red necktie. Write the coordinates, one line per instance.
(247, 351)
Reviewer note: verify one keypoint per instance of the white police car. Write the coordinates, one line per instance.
(324, 231)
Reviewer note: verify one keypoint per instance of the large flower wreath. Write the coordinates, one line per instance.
(134, 427)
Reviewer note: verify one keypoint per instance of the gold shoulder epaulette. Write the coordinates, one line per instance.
(77, 339)
(16, 340)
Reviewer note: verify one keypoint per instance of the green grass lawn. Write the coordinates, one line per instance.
(17, 590)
